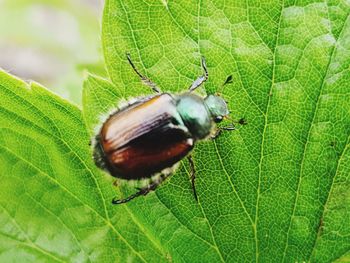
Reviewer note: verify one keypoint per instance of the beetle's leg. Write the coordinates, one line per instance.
(144, 79)
(228, 128)
(200, 80)
(115, 183)
(216, 134)
(144, 190)
(193, 177)
(219, 130)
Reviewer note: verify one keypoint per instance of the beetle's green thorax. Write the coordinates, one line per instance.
(216, 105)
(194, 114)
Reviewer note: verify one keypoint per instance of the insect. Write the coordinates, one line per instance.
(156, 132)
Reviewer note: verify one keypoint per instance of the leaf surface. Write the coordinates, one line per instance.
(275, 190)
(54, 204)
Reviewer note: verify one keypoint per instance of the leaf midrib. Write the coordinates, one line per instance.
(107, 222)
(263, 135)
(107, 219)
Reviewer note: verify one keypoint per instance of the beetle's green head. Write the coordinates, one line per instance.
(217, 107)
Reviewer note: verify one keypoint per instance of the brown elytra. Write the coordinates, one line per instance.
(143, 138)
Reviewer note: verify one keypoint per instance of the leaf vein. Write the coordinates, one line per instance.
(32, 244)
(208, 222)
(263, 135)
(107, 222)
(346, 147)
(306, 144)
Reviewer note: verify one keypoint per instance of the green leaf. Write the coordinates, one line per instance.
(275, 190)
(54, 204)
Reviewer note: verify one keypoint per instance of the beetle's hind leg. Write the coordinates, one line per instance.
(144, 79)
(144, 190)
(200, 80)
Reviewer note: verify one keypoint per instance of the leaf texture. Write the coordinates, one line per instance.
(275, 190)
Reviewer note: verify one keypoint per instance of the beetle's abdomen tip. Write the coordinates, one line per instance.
(98, 155)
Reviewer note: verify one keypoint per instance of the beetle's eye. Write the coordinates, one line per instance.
(218, 119)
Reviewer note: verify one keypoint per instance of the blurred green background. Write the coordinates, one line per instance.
(52, 42)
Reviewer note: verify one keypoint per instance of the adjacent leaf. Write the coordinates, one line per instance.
(54, 204)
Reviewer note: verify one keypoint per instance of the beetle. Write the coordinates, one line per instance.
(155, 132)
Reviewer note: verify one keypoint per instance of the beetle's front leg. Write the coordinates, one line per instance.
(232, 127)
(219, 130)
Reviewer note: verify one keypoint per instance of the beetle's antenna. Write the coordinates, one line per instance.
(232, 126)
(229, 80)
